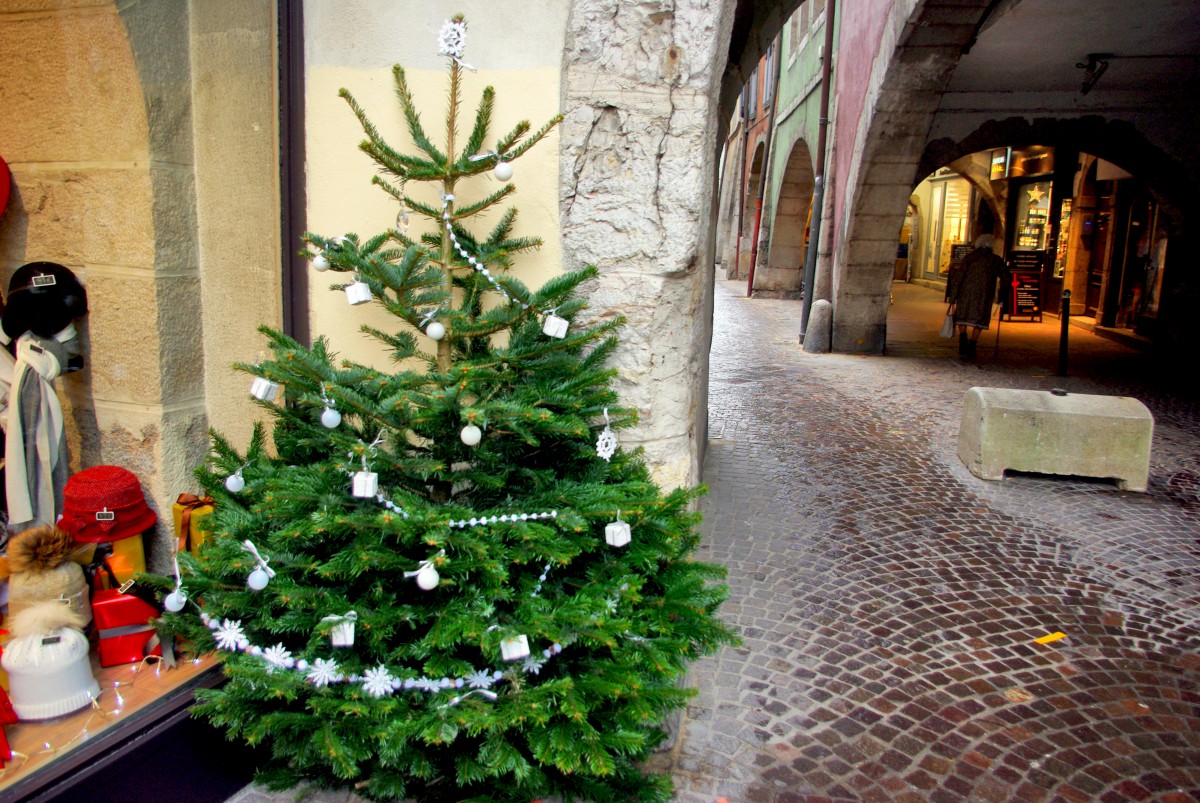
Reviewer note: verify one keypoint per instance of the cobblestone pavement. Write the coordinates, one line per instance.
(888, 600)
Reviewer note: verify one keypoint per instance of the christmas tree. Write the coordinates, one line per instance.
(448, 582)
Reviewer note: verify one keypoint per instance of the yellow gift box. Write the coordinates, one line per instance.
(190, 513)
(128, 558)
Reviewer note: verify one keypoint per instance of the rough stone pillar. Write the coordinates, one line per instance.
(638, 151)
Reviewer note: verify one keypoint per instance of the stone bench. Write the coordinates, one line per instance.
(1054, 432)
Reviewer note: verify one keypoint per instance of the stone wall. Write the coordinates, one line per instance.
(99, 134)
(639, 148)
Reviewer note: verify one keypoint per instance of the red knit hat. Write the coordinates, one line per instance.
(105, 503)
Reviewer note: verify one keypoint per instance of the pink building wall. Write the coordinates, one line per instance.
(861, 24)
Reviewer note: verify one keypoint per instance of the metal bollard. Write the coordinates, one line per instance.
(1065, 317)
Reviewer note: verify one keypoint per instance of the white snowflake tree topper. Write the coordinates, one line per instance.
(452, 41)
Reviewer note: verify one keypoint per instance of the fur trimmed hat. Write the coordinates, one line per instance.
(39, 560)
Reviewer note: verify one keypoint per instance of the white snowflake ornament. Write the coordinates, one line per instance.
(279, 656)
(323, 672)
(480, 679)
(606, 444)
(228, 635)
(452, 39)
(377, 682)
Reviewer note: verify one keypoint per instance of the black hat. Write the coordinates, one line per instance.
(43, 297)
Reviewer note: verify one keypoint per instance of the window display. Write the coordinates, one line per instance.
(1033, 217)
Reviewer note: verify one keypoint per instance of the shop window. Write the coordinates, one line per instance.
(950, 225)
(1032, 217)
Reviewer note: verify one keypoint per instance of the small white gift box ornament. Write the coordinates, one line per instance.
(617, 533)
(358, 293)
(264, 389)
(365, 485)
(555, 326)
(515, 648)
(341, 632)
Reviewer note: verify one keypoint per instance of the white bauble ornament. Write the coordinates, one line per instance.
(330, 418)
(234, 483)
(175, 601)
(435, 331)
(471, 434)
(503, 171)
(258, 579)
(320, 263)
(428, 577)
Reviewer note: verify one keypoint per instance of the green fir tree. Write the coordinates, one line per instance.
(463, 550)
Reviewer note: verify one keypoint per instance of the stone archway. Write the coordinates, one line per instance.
(914, 62)
(783, 272)
(752, 215)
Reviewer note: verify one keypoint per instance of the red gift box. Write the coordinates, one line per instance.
(126, 635)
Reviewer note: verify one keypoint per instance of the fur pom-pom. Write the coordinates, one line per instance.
(43, 618)
(40, 549)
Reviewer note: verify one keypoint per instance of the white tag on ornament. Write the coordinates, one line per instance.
(358, 293)
(514, 649)
(264, 389)
(366, 484)
(555, 326)
(617, 533)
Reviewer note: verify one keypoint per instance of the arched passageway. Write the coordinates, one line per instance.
(782, 273)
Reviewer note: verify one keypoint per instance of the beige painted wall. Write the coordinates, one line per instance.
(354, 45)
(235, 105)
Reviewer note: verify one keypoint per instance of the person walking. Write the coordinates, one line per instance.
(972, 291)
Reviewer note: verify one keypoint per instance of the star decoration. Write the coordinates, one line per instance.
(1036, 194)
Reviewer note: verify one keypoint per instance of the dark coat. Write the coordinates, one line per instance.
(972, 289)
